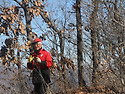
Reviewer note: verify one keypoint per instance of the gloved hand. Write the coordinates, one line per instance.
(30, 59)
(43, 63)
(38, 60)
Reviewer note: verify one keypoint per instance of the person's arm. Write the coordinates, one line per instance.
(48, 60)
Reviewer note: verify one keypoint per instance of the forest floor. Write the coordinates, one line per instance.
(93, 90)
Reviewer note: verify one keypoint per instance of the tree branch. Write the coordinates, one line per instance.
(112, 16)
(48, 21)
(18, 2)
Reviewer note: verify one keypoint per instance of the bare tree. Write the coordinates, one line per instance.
(93, 25)
(79, 44)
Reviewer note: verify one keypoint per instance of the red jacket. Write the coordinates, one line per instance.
(46, 60)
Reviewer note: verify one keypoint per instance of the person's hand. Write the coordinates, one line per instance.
(30, 58)
(38, 60)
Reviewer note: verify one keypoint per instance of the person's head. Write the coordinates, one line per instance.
(37, 43)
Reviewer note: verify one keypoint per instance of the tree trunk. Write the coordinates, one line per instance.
(79, 45)
(28, 19)
(21, 83)
(93, 23)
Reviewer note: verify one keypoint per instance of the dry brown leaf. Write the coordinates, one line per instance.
(54, 65)
(20, 11)
(4, 17)
(9, 18)
(68, 65)
(31, 33)
(31, 10)
(13, 8)
(35, 3)
(2, 29)
(63, 31)
(15, 60)
(46, 14)
(23, 31)
(27, 47)
(17, 44)
(10, 28)
(6, 64)
(38, 10)
(15, 31)
(49, 23)
(23, 46)
(26, 1)
(29, 42)
(37, 14)
(102, 64)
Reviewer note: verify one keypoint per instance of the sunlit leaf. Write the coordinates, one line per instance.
(4, 16)
(63, 31)
(23, 46)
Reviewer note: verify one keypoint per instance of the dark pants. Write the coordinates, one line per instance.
(39, 87)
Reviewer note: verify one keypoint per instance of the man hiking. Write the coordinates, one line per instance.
(40, 62)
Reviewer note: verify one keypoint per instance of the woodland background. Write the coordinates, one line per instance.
(86, 39)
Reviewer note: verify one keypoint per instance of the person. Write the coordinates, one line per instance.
(39, 62)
